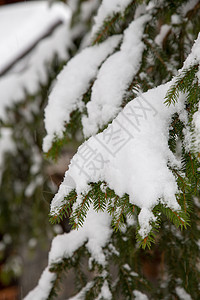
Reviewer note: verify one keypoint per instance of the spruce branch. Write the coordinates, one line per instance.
(150, 45)
(65, 209)
(183, 83)
(107, 25)
(118, 20)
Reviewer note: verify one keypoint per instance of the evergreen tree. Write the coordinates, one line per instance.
(132, 189)
(25, 185)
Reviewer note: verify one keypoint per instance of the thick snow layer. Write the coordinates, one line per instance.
(182, 294)
(105, 292)
(31, 70)
(42, 290)
(188, 6)
(132, 156)
(21, 25)
(107, 9)
(96, 232)
(194, 57)
(114, 77)
(139, 296)
(87, 9)
(162, 34)
(6, 145)
(72, 83)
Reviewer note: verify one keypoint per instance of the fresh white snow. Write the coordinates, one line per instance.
(72, 83)
(31, 70)
(30, 21)
(182, 294)
(188, 6)
(162, 34)
(139, 295)
(42, 290)
(96, 232)
(105, 292)
(6, 145)
(87, 8)
(108, 9)
(114, 78)
(132, 156)
(192, 59)
(194, 56)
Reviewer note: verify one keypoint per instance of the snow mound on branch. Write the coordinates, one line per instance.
(6, 145)
(107, 9)
(87, 9)
(186, 7)
(96, 232)
(105, 292)
(72, 83)
(162, 34)
(114, 78)
(139, 296)
(192, 60)
(182, 294)
(30, 22)
(31, 70)
(42, 290)
(132, 156)
(194, 57)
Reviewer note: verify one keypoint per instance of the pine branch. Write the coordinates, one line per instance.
(115, 24)
(107, 24)
(182, 83)
(65, 209)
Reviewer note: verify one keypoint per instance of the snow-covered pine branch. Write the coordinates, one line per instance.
(74, 80)
(145, 164)
(31, 71)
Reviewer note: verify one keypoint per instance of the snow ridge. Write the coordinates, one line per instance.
(26, 75)
(42, 290)
(131, 156)
(6, 145)
(114, 77)
(96, 233)
(107, 9)
(72, 83)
